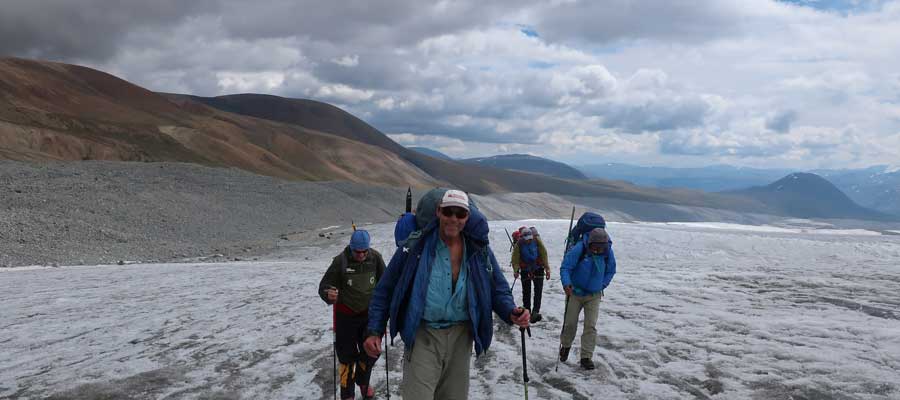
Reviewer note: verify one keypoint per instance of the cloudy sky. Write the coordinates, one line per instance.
(797, 84)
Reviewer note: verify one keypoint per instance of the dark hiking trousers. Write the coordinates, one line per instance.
(527, 279)
(356, 365)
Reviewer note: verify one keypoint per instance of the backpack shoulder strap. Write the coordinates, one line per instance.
(412, 239)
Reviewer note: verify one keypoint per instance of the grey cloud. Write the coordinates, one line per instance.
(663, 114)
(693, 144)
(84, 29)
(605, 22)
(95, 29)
(374, 71)
(781, 121)
(399, 22)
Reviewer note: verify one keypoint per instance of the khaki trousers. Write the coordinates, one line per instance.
(438, 367)
(591, 306)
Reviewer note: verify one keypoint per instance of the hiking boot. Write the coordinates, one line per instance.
(368, 392)
(586, 363)
(536, 317)
(564, 353)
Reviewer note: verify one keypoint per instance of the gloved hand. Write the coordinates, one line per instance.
(568, 290)
(516, 275)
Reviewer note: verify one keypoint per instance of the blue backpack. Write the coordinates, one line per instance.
(586, 223)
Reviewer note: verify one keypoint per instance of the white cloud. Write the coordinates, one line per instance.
(243, 82)
(343, 93)
(748, 82)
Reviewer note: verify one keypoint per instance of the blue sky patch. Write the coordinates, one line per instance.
(840, 6)
(529, 32)
(541, 64)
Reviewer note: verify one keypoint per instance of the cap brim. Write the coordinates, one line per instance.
(455, 204)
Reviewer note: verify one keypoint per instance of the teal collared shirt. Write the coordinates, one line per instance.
(445, 305)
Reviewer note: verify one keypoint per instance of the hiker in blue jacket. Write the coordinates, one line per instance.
(586, 270)
(439, 291)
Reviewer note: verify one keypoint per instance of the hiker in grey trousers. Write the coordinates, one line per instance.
(439, 292)
(586, 270)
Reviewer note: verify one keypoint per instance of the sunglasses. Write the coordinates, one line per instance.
(598, 247)
(459, 212)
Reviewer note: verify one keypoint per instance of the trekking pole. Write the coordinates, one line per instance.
(524, 358)
(562, 332)
(334, 352)
(387, 362)
(511, 245)
(387, 368)
(565, 310)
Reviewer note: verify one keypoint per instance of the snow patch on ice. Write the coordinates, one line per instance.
(765, 228)
(725, 226)
(692, 313)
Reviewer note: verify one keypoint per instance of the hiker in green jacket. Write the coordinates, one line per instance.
(348, 284)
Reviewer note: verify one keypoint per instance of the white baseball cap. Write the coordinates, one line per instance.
(455, 198)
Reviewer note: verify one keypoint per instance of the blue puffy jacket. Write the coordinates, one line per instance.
(591, 274)
(400, 294)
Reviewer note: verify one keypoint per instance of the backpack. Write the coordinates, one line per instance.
(409, 227)
(528, 252)
(586, 223)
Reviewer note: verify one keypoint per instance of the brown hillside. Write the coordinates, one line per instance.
(473, 178)
(52, 111)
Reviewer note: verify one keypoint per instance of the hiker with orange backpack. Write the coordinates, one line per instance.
(529, 261)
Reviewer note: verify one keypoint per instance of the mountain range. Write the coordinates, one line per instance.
(876, 187)
(430, 152)
(809, 195)
(53, 111)
(529, 163)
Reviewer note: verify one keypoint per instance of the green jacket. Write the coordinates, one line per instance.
(354, 280)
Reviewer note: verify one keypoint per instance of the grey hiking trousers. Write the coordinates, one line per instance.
(438, 367)
(591, 306)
